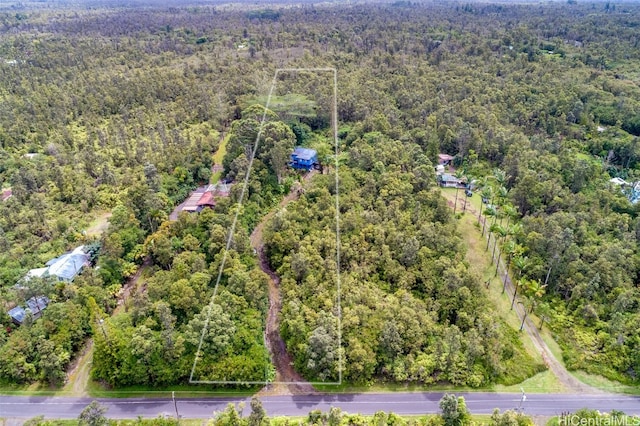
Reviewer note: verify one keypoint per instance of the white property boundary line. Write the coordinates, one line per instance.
(235, 222)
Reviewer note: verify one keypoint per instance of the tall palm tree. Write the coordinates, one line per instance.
(521, 263)
(495, 241)
(490, 211)
(509, 212)
(501, 199)
(512, 249)
(500, 232)
(486, 194)
(500, 176)
(519, 282)
(535, 289)
(467, 187)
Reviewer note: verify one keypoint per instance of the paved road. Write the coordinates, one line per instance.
(401, 403)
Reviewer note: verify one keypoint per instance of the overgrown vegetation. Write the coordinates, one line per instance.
(411, 311)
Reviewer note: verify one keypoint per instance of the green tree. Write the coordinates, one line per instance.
(52, 362)
(219, 330)
(258, 413)
(276, 146)
(229, 417)
(510, 418)
(322, 352)
(485, 195)
(490, 211)
(335, 416)
(454, 411)
(93, 415)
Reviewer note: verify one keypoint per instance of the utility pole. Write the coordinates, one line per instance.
(175, 404)
(101, 322)
(522, 400)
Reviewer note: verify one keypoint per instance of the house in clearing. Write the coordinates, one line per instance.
(64, 268)
(69, 265)
(191, 205)
(447, 180)
(6, 194)
(35, 306)
(205, 196)
(304, 158)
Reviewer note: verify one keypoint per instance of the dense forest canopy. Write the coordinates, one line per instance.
(123, 109)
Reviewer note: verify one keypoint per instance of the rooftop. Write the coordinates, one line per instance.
(618, 181)
(68, 265)
(35, 273)
(446, 177)
(36, 305)
(206, 199)
(304, 153)
(191, 205)
(17, 314)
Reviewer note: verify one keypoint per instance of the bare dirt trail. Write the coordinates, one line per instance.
(131, 285)
(78, 372)
(570, 383)
(281, 359)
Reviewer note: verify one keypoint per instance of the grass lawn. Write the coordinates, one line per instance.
(77, 381)
(540, 383)
(605, 384)
(215, 177)
(222, 150)
(551, 343)
(480, 264)
(97, 390)
(397, 387)
(28, 389)
(543, 382)
(99, 224)
(218, 156)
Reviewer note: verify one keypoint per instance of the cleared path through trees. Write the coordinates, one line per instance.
(280, 357)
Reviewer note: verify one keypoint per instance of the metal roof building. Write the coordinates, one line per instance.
(35, 305)
(65, 267)
(450, 181)
(303, 158)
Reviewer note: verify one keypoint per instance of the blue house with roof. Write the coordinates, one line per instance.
(303, 158)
